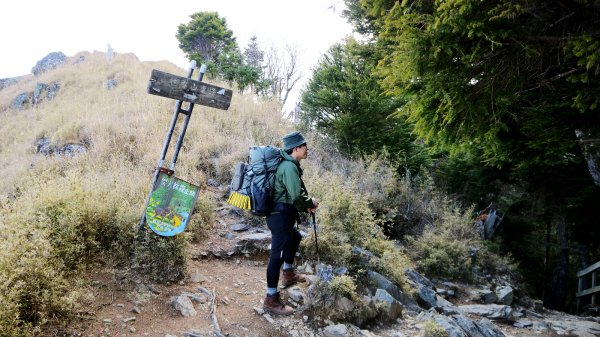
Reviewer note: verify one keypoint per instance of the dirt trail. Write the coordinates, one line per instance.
(239, 286)
(125, 307)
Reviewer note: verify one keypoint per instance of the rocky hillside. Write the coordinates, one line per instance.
(80, 142)
(223, 291)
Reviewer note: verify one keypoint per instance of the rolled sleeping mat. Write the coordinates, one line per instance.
(239, 200)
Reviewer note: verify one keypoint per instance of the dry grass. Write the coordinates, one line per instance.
(81, 210)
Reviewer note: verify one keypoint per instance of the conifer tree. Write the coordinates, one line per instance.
(207, 40)
(513, 82)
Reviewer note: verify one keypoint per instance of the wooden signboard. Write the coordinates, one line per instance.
(185, 89)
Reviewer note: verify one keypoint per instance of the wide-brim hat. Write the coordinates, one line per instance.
(292, 140)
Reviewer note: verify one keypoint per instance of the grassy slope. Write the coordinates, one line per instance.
(58, 213)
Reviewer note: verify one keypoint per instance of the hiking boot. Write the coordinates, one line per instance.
(289, 277)
(274, 305)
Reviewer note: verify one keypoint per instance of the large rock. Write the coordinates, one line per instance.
(326, 272)
(338, 330)
(41, 92)
(44, 147)
(467, 326)
(254, 243)
(485, 296)
(461, 326)
(491, 311)
(482, 329)
(446, 307)
(52, 90)
(111, 83)
(382, 282)
(392, 307)
(451, 327)
(363, 257)
(505, 295)
(49, 62)
(427, 297)
(575, 326)
(37, 93)
(7, 82)
(417, 279)
(297, 294)
(183, 305)
(20, 101)
(489, 329)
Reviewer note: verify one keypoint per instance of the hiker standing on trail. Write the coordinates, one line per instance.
(290, 197)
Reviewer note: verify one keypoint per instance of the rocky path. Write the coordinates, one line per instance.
(223, 292)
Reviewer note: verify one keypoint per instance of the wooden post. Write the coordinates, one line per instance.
(183, 89)
(593, 290)
(579, 289)
(201, 71)
(593, 285)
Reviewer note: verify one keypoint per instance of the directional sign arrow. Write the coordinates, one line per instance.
(184, 89)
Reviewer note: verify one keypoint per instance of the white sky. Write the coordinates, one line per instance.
(30, 29)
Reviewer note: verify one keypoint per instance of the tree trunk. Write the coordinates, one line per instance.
(556, 297)
(591, 152)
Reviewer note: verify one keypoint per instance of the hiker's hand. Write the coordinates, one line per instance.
(315, 205)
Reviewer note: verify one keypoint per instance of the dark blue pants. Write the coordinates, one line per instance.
(285, 240)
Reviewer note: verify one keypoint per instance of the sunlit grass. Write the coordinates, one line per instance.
(84, 209)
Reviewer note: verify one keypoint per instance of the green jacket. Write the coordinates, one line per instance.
(288, 178)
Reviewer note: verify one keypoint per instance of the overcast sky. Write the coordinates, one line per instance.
(30, 29)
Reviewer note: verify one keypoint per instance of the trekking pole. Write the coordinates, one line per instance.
(314, 223)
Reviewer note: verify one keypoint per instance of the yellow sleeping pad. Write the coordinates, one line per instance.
(239, 200)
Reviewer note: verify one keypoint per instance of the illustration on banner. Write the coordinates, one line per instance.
(170, 205)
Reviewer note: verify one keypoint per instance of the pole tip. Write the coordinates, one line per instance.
(202, 68)
(193, 64)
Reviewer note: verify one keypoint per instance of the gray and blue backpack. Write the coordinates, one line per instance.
(253, 182)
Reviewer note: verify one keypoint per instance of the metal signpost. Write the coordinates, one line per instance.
(170, 202)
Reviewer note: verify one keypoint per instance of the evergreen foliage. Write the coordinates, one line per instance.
(344, 100)
(253, 54)
(500, 89)
(207, 40)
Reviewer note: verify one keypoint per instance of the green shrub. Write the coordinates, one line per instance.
(343, 286)
(433, 330)
(34, 289)
(344, 219)
(440, 256)
(392, 265)
(452, 247)
(160, 258)
(338, 301)
(202, 217)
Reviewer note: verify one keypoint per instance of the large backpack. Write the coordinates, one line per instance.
(253, 182)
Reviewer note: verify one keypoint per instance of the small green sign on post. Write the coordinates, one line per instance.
(171, 204)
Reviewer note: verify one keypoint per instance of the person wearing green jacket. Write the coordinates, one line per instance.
(290, 197)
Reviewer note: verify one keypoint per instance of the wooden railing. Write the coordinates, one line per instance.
(594, 285)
